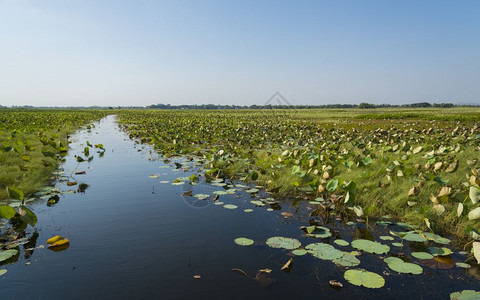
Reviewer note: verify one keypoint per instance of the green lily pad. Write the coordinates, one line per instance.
(230, 206)
(436, 238)
(3, 271)
(243, 241)
(220, 193)
(465, 295)
(400, 266)
(6, 254)
(414, 237)
(347, 260)
(251, 191)
(463, 265)
(439, 251)
(323, 251)
(248, 210)
(299, 252)
(318, 231)
(257, 202)
(341, 242)
(386, 238)
(218, 203)
(283, 242)
(370, 247)
(364, 278)
(422, 255)
(397, 244)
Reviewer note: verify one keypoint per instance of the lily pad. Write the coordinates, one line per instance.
(257, 202)
(465, 295)
(243, 241)
(323, 251)
(370, 247)
(436, 238)
(283, 242)
(341, 242)
(400, 266)
(463, 265)
(414, 237)
(6, 254)
(318, 232)
(364, 278)
(248, 210)
(422, 255)
(347, 260)
(439, 251)
(3, 271)
(201, 196)
(386, 238)
(299, 252)
(230, 206)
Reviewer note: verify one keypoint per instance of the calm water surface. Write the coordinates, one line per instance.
(133, 237)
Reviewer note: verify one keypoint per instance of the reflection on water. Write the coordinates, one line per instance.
(133, 236)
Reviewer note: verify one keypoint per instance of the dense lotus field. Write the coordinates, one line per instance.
(418, 166)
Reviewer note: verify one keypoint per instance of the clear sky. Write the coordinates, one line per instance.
(62, 53)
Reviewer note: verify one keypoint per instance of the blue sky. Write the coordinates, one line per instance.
(62, 53)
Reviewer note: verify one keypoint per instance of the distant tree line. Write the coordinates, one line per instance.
(362, 105)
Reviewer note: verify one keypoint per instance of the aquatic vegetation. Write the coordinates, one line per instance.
(400, 266)
(283, 242)
(364, 278)
(465, 295)
(370, 246)
(416, 165)
(243, 241)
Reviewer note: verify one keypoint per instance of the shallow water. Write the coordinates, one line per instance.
(134, 237)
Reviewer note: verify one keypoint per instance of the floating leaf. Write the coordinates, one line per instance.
(386, 238)
(422, 255)
(463, 265)
(364, 278)
(283, 242)
(370, 247)
(323, 251)
(201, 196)
(3, 271)
(317, 231)
(465, 295)
(248, 210)
(414, 237)
(7, 212)
(436, 238)
(230, 206)
(341, 242)
(57, 241)
(299, 252)
(400, 266)
(440, 251)
(347, 260)
(6, 254)
(243, 241)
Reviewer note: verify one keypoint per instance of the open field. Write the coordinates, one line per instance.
(417, 165)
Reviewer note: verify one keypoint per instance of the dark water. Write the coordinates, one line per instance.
(132, 237)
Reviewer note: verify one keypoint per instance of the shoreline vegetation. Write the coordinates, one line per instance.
(415, 165)
(33, 144)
